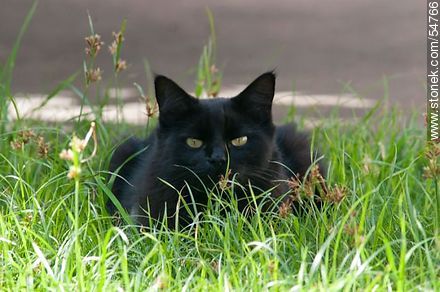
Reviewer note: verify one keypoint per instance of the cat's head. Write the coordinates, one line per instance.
(206, 135)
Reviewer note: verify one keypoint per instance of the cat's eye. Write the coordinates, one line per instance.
(240, 141)
(194, 143)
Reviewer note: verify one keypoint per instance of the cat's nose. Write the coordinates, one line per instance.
(217, 161)
(218, 158)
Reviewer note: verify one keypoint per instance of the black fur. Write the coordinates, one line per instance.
(165, 156)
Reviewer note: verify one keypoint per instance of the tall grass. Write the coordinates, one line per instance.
(56, 234)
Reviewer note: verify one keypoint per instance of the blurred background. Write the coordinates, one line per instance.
(324, 52)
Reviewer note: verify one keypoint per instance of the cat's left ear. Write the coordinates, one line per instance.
(257, 98)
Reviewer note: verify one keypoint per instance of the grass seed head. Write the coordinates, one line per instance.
(66, 154)
(43, 147)
(121, 65)
(94, 45)
(118, 37)
(432, 152)
(351, 229)
(285, 208)
(151, 107)
(75, 153)
(16, 145)
(295, 185)
(336, 194)
(23, 137)
(113, 48)
(224, 181)
(93, 75)
(215, 266)
(74, 172)
(161, 282)
(366, 162)
(77, 144)
(26, 135)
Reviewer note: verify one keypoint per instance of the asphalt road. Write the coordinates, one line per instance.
(322, 47)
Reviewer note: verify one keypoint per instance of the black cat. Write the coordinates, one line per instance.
(194, 144)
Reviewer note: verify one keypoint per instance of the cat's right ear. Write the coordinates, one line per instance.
(256, 99)
(173, 101)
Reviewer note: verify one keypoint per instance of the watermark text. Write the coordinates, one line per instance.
(433, 99)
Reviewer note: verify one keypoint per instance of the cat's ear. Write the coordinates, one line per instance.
(257, 98)
(173, 101)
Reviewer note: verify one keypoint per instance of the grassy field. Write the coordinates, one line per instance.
(55, 232)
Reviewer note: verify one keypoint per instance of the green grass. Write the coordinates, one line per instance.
(56, 234)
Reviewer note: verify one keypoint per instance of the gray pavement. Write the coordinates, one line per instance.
(319, 46)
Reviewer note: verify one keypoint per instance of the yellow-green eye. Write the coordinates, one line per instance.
(194, 143)
(240, 141)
